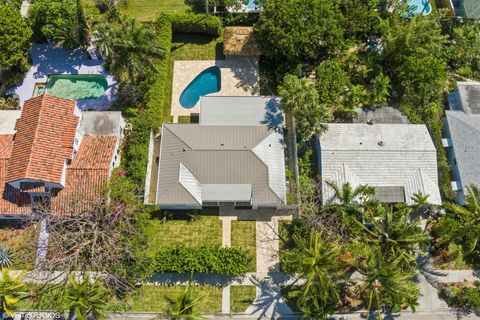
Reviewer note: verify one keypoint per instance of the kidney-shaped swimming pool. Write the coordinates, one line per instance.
(208, 81)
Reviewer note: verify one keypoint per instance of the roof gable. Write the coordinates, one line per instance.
(43, 140)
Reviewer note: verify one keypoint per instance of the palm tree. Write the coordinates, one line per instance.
(395, 231)
(6, 257)
(12, 290)
(316, 261)
(469, 216)
(184, 306)
(86, 299)
(385, 284)
(130, 48)
(346, 195)
(300, 98)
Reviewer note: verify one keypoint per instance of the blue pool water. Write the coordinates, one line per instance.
(418, 5)
(208, 81)
(251, 4)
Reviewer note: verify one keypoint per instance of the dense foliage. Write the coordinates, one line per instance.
(296, 32)
(457, 233)
(62, 21)
(14, 36)
(207, 259)
(463, 297)
(196, 23)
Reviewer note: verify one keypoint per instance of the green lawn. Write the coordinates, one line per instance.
(22, 242)
(152, 298)
(147, 299)
(241, 297)
(244, 237)
(207, 230)
(143, 10)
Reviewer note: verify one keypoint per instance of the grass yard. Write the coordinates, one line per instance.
(244, 237)
(241, 297)
(152, 298)
(207, 230)
(147, 299)
(143, 10)
(22, 242)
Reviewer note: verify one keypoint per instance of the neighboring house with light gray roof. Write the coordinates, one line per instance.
(232, 156)
(398, 160)
(462, 137)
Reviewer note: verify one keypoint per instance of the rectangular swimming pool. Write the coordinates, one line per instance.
(77, 86)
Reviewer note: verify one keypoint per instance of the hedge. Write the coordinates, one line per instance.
(206, 259)
(153, 116)
(196, 23)
(247, 19)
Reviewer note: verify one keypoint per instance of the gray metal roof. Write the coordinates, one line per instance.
(8, 118)
(472, 8)
(101, 123)
(192, 156)
(380, 115)
(465, 134)
(241, 111)
(380, 155)
(469, 93)
(226, 192)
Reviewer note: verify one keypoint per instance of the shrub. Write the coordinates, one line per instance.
(196, 23)
(136, 150)
(463, 297)
(206, 259)
(239, 19)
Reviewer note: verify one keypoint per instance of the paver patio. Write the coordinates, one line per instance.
(239, 77)
(47, 60)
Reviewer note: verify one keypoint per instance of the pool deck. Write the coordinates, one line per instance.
(46, 60)
(240, 77)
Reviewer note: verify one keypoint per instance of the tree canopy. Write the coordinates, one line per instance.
(62, 21)
(14, 36)
(293, 32)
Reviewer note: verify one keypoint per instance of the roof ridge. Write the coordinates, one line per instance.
(27, 170)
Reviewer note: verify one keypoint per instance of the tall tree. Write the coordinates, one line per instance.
(14, 36)
(467, 232)
(12, 291)
(292, 32)
(300, 98)
(346, 195)
(130, 48)
(465, 50)
(317, 262)
(385, 283)
(85, 300)
(185, 305)
(395, 231)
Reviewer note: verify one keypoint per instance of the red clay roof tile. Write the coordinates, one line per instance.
(44, 139)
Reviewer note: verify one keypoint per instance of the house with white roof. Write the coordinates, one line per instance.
(462, 137)
(398, 160)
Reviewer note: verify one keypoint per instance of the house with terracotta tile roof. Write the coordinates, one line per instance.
(51, 150)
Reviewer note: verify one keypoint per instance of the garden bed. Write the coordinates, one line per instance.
(22, 242)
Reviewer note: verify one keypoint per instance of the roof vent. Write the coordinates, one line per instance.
(184, 149)
(222, 144)
(370, 121)
(380, 143)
